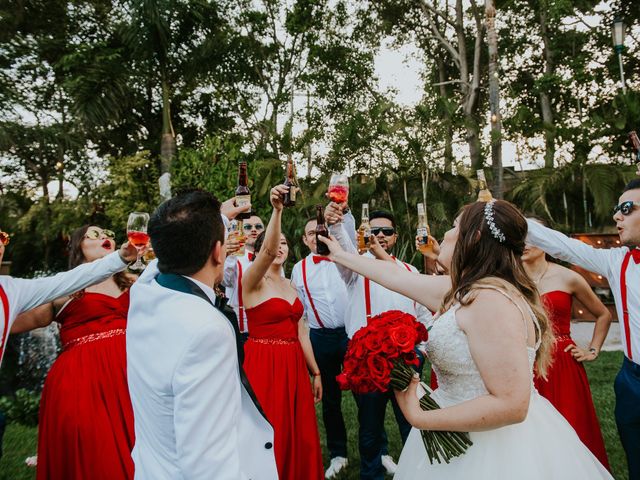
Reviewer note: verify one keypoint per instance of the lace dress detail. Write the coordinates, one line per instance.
(448, 350)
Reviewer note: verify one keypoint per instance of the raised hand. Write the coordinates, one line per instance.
(333, 213)
(332, 243)
(229, 209)
(276, 195)
(128, 252)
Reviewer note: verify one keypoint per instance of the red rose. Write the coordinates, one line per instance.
(343, 382)
(379, 371)
(422, 333)
(403, 336)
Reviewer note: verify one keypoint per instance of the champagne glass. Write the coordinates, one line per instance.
(338, 188)
(137, 234)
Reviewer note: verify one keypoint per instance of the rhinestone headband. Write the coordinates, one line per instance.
(488, 215)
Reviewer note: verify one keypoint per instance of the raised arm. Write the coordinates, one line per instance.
(34, 292)
(428, 290)
(558, 245)
(269, 250)
(37, 317)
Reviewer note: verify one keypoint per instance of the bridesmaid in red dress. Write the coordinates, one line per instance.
(86, 419)
(278, 355)
(566, 385)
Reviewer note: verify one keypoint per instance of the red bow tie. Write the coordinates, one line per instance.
(635, 253)
(317, 259)
(251, 256)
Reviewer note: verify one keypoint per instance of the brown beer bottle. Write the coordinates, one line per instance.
(289, 198)
(243, 194)
(364, 231)
(321, 231)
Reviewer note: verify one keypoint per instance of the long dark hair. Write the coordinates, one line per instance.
(76, 257)
(481, 259)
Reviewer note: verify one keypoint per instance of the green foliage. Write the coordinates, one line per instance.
(131, 186)
(22, 408)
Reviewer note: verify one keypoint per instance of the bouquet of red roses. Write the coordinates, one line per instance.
(380, 356)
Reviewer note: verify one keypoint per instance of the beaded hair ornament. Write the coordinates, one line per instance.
(488, 216)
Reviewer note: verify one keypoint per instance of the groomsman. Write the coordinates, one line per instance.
(324, 296)
(368, 299)
(621, 267)
(235, 267)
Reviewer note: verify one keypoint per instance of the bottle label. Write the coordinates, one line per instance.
(242, 200)
(293, 190)
(423, 235)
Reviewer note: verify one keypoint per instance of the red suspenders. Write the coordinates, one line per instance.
(367, 292)
(306, 287)
(5, 308)
(625, 308)
(240, 302)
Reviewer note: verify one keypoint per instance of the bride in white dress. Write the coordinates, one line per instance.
(483, 347)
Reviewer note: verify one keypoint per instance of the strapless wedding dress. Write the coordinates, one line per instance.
(543, 446)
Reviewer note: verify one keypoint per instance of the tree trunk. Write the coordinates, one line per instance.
(494, 100)
(446, 115)
(167, 143)
(545, 99)
(473, 139)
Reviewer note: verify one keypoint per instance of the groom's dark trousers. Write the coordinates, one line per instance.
(329, 348)
(627, 388)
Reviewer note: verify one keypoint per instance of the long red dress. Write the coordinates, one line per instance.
(567, 386)
(86, 418)
(276, 369)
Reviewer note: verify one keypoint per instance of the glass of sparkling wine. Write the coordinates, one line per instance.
(137, 234)
(338, 188)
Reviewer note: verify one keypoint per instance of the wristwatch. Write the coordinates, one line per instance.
(594, 351)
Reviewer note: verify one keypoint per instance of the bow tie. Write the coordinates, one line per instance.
(317, 259)
(251, 256)
(635, 253)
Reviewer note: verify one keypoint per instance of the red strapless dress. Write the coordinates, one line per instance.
(275, 366)
(567, 386)
(86, 418)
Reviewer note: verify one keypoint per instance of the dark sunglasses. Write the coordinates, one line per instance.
(4, 238)
(625, 207)
(247, 227)
(386, 231)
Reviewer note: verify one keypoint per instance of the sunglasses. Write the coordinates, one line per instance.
(4, 238)
(625, 207)
(386, 231)
(247, 227)
(95, 233)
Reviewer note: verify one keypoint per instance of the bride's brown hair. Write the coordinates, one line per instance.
(480, 259)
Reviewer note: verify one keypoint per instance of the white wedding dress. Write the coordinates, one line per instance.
(544, 446)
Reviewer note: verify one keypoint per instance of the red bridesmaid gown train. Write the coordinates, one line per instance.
(567, 386)
(275, 366)
(86, 419)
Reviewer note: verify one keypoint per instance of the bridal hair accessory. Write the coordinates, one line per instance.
(488, 215)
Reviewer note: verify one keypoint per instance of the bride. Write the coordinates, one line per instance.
(483, 346)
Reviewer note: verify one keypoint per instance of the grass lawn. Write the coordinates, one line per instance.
(20, 442)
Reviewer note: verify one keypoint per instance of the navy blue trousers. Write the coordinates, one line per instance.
(372, 437)
(329, 347)
(627, 388)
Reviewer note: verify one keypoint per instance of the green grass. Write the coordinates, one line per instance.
(20, 442)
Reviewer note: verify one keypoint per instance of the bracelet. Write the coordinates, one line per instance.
(594, 351)
(315, 374)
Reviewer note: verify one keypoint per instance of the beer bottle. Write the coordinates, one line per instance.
(321, 231)
(289, 198)
(243, 194)
(364, 231)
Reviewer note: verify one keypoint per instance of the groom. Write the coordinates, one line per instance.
(195, 414)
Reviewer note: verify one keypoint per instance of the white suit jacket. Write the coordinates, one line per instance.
(193, 418)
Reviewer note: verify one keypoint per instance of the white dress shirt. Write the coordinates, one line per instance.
(193, 418)
(24, 294)
(381, 298)
(327, 290)
(603, 261)
(233, 265)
